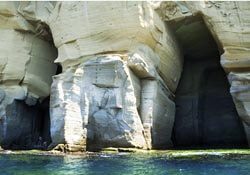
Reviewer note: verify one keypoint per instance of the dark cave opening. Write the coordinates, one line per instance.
(206, 116)
(28, 120)
(58, 69)
(28, 127)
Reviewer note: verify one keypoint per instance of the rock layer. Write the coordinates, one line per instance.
(123, 27)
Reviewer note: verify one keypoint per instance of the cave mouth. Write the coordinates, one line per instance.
(28, 122)
(28, 126)
(206, 116)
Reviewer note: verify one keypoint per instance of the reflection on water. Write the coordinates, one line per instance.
(119, 165)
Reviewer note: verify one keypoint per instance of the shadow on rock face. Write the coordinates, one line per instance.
(24, 126)
(206, 116)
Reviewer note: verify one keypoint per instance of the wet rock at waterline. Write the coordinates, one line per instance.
(124, 75)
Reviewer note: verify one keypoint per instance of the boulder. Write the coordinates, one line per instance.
(96, 104)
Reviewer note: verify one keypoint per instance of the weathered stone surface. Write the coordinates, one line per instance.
(100, 109)
(143, 55)
(157, 112)
(105, 110)
(20, 68)
(79, 33)
(10, 19)
(67, 123)
(228, 22)
(121, 67)
(24, 56)
(26, 67)
(142, 41)
(240, 92)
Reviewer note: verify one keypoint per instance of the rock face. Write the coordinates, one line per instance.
(228, 23)
(203, 95)
(118, 94)
(124, 26)
(106, 111)
(240, 92)
(26, 67)
(134, 74)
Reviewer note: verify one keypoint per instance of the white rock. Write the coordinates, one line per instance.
(105, 104)
(157, 112)
(25, 66)
(240, 90)
(80, 33)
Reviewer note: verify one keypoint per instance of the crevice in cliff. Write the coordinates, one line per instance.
(58, 69)
(206, 116)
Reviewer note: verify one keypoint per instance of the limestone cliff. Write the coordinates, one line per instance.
(134, 74)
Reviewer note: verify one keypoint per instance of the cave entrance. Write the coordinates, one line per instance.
(27, 123)
(206, 116)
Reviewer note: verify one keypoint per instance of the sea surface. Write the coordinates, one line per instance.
(120, 164)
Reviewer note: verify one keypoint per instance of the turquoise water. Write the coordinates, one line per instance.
(119, 165)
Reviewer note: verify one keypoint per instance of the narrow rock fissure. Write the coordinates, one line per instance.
(206, 116)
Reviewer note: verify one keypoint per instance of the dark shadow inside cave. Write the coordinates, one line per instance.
(31, 128)
(28, 125)
(206, 116)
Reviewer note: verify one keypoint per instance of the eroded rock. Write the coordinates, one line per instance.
(110, 112)
(120, 66)
(79, 33)
(157, 111)
(26, 67)
(104, 108)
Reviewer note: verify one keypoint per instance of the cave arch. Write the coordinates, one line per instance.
(25, 119)
(206, 116)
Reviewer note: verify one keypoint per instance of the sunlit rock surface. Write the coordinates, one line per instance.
(112, 99)
(97, 104)
(79, 32)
